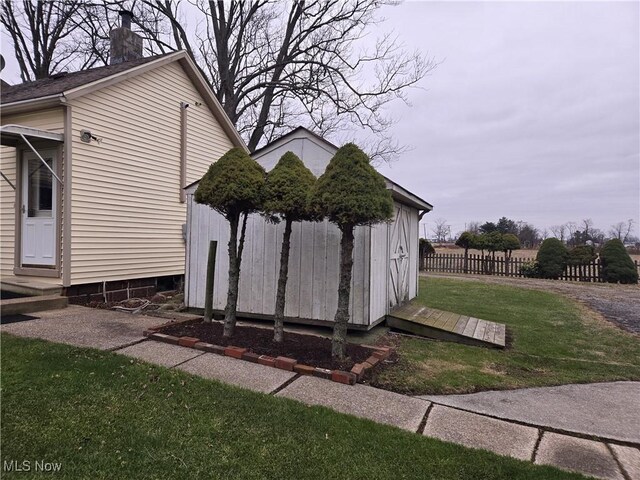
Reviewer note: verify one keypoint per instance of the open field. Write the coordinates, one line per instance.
(553, 341)
(102, 415)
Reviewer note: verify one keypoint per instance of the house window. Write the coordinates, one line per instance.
(40, 189)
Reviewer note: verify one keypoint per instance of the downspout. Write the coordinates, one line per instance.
(66, 196)
(183, 151)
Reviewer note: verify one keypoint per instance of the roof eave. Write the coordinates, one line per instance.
(120, 76)
(212, 102)
(23, 106)
(408, 198)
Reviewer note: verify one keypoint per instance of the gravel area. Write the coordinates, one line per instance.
(619, 304)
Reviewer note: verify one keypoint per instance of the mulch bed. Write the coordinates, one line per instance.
(306, 349)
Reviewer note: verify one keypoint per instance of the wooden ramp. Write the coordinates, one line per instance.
(441, 325)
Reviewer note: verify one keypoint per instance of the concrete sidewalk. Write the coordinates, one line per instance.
(543, 425)
(604, 410)
(84, 327)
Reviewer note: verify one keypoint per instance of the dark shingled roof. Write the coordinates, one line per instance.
(59, 83)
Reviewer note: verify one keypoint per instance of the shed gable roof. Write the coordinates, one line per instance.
(397, 191)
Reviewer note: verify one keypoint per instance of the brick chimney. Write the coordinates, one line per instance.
(125, 44)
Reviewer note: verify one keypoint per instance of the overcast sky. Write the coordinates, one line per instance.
(533, 113)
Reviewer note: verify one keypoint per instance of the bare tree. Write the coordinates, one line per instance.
(276, 65)
(46, 36)
(559, 231)
(622, 230)
(473, 227)
(441, 230)
(587, 226)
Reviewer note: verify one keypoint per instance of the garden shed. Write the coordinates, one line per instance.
(385, 269)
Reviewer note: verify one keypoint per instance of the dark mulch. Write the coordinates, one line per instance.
(307, 349)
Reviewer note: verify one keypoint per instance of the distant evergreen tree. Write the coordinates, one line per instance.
(552, 258)
(617, 266)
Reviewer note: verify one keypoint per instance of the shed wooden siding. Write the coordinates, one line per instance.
(379, 281)
(53, 120)
(126, 215)
(313, 271)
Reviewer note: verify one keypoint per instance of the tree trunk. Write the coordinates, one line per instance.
(466, 260)
(339, 341)
(278, 327)
(234, 278)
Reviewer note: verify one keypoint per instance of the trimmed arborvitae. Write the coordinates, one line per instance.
(426, 248)
(233, 186)
(350, 193)
(552, 258)
(617, 266)
(466, 240)
(582, 255)
(509, 243)
(287, 197)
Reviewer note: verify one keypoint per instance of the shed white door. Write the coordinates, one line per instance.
(39, 191)
(400, 249)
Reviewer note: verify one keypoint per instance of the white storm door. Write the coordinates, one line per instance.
(38, 209)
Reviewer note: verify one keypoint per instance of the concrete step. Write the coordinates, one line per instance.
(15, 306)
(29, 286)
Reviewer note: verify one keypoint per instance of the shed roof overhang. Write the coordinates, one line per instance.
(406, 197)
(15, 135)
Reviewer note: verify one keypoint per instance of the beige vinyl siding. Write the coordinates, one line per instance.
(127, 216)
(52, 120)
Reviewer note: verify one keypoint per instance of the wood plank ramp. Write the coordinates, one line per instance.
(453, 327)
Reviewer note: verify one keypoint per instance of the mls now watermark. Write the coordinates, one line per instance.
(30, 466)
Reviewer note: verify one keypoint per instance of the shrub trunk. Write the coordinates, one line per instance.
(235, 259)
(339, 341)
(278, 327)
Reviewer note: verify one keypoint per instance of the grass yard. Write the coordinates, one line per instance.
(105, 416)
(554, 341)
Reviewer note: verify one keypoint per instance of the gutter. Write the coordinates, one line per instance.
(32, 104)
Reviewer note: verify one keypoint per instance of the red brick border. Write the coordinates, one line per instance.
(378, 354)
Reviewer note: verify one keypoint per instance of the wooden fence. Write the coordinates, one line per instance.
(502, 266)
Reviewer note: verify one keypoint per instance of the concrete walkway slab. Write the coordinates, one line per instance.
(84, 327)
(477, 431)
(160, 353)
(237, 372)
(577, 454)
(605, 410)
(629, 458)
(360, 400)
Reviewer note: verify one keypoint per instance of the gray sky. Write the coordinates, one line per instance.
(533, 113)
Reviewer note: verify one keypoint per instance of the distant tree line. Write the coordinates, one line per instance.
(572, 244)
(571, 234)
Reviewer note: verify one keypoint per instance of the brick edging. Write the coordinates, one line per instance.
(184, 321)
(284, 363)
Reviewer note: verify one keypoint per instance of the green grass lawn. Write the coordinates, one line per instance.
(106, 416)
(553, 341)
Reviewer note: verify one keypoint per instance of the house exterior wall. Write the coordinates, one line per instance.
(127, 216)
(312, 293)
(51, 119)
